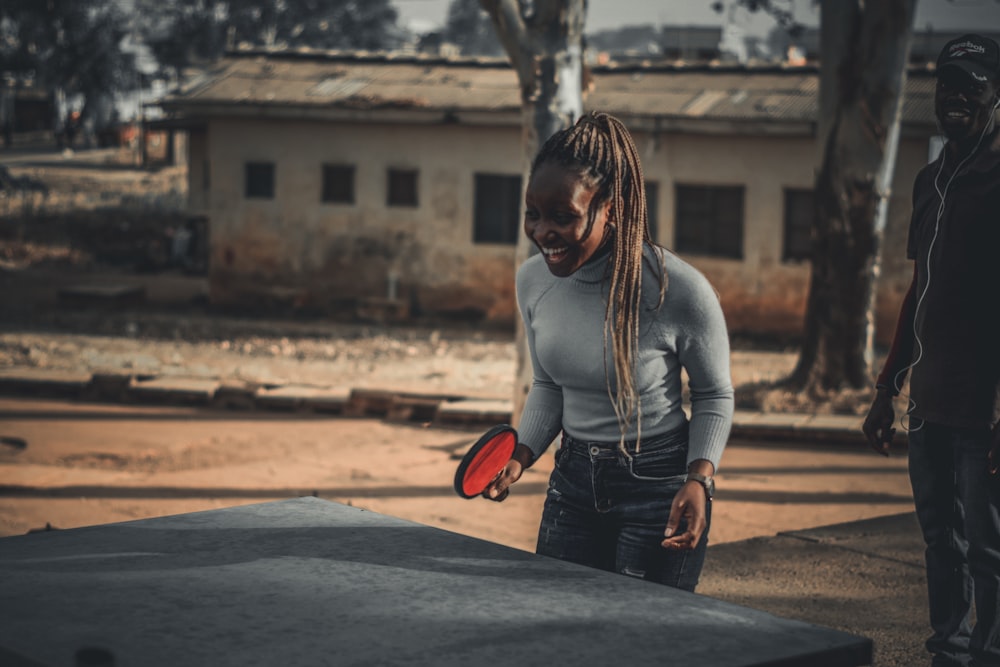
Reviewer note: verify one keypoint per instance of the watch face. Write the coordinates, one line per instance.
(708, 483)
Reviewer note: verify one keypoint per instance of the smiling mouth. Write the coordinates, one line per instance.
(956, 113)
(555, 255)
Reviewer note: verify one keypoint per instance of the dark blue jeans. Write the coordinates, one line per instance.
(605, 512)
(957, 503)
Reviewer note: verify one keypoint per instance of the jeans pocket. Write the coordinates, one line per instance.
(560, 454)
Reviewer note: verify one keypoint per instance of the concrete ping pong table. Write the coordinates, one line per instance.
(312, 582)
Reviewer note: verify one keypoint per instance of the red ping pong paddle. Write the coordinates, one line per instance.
(485, 460)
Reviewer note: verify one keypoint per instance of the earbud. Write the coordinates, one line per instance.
(991, 123)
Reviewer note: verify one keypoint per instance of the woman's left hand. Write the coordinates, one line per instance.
(690, 504)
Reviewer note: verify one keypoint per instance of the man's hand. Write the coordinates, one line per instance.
(499, 488)
(878, 428)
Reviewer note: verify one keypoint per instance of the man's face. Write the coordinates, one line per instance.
(963, 104)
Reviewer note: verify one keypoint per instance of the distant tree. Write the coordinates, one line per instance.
(71, 44)
(70, 47)
(470, 28)
(182, 33)
(544, 41)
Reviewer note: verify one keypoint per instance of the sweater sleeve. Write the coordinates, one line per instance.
(541, 419)
(704, 353)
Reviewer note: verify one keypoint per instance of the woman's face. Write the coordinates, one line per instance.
(557, 202)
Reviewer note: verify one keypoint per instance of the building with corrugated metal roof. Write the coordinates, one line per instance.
(334, 181)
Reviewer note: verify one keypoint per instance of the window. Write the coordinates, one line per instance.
(710, 220)
(260, 180)
(338, 184)
(799, 212)
(402, 187)
(652, 204)
(497, 209)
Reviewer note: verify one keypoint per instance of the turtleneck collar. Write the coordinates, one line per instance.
(595, 269)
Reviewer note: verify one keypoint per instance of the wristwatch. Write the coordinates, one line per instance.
(708, 483)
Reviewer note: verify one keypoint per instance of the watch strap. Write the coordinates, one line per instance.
(707, 482)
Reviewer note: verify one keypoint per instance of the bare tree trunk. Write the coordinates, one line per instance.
(865, 48)
(544, 41)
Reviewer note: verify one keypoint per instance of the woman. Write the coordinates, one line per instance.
(611, 321)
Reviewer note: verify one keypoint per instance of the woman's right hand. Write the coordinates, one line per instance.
(499, 488)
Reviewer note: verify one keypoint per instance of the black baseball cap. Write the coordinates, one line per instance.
(976, 55)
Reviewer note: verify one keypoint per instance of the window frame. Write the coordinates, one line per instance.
(251, 182)
(652, 208)
(402, 187)
(711, 235)
(493, 194)
(327, 192)
(788, 229)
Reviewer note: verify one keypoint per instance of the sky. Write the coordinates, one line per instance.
(942, 15)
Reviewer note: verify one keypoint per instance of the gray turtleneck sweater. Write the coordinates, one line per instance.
(564, 320)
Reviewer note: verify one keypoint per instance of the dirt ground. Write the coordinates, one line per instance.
(83, 464)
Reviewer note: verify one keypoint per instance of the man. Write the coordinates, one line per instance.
(948, 338)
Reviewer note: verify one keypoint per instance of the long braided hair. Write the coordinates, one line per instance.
(601, 150)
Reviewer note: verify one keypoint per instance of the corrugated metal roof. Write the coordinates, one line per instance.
(656, 91)
(355, 84)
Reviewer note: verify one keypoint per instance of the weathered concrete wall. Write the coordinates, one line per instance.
(299, 251)
(762, 293)
(759, 293)
(321, 255)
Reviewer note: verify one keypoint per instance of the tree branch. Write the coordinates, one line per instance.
(547, 11)
(513, 32)
(510, 25)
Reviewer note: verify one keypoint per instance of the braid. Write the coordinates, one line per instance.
(601, 149)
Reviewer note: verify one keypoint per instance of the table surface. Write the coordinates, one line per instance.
(311, 582)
